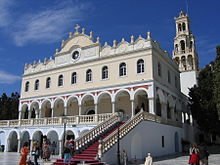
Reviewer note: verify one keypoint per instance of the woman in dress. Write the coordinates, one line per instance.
(24, 154)
(46, 149)
(194, 155)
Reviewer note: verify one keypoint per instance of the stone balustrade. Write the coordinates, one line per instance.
(110, 140)
(83, 119)
(108, 121)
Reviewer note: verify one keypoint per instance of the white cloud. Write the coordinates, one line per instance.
(44, 26)
(7, 78)
(5, 17)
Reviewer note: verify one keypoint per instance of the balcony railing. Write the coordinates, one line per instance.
(82, 119)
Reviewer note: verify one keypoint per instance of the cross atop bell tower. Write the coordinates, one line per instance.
(184, 53)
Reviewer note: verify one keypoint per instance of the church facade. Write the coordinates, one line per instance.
(85, 84)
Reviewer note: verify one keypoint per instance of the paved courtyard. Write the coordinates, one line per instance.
(13, 158)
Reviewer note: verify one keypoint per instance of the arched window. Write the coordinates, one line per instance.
(179, 27)
(27, 84)
(60, 80)
(73, 78)
(184, 26)
(122, 69)
(140, 66)
(105, 72)
(176, 47)
(191, 45)
(36, 85)
(177, 60)
(159, 69)
(48, 82)
(168, 111)
(182, 43)
(158, 106)
(190, 61)
(88, 75)
(183, 60)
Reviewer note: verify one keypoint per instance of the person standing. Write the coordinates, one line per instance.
(46, 149)
(24, 154)
(124, 157)
(35, 152)
(194, 155)
(204, 154)
(148, 160)
(53, 147)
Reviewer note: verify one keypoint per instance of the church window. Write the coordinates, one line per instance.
(179, 27)
(168, 111)
(60, 80)
(48, 82)
(183, 60)
(190, 61)
(73, 78)
(182, 43)
(27, 84)
(175, 81)
(88, 75)
(140, 66)
(158, 106)
(177, 60)
(176, 47)
(168, 76)
(36, 85)
(159, 69)
(122, 69)
(163, 141)
(105, 72)
(184, 26)
(191, 45)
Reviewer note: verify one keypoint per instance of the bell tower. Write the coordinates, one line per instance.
(184, 53)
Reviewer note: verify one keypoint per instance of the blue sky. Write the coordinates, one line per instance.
(32, 29)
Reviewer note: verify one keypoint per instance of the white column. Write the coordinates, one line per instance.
(39, 113)
(60, 147)
(96, 108)
(80, 110)
(31, 145)
(65, 111)
(113, 107)
(52, 112)
(151, 105)
(19, 115)
(164, 110)
(19, 145)
(132, 108)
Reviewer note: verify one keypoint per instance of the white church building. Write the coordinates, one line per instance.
(85, 85)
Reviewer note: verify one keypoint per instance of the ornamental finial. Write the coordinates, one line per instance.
(70, 34)
(148, 35)
(83, 30)
(132, 39)
(114, 43)
(97, 40)
(91, 35)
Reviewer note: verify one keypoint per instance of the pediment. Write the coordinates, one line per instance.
(80, 40)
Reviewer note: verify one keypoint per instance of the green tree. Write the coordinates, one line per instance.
(205, 97)
(9, 106)
(217, 79)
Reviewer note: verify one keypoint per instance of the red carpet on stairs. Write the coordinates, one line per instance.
(88, 155)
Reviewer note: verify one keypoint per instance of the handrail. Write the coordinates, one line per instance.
(79, 119)
(111, 139)
(81, 141)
